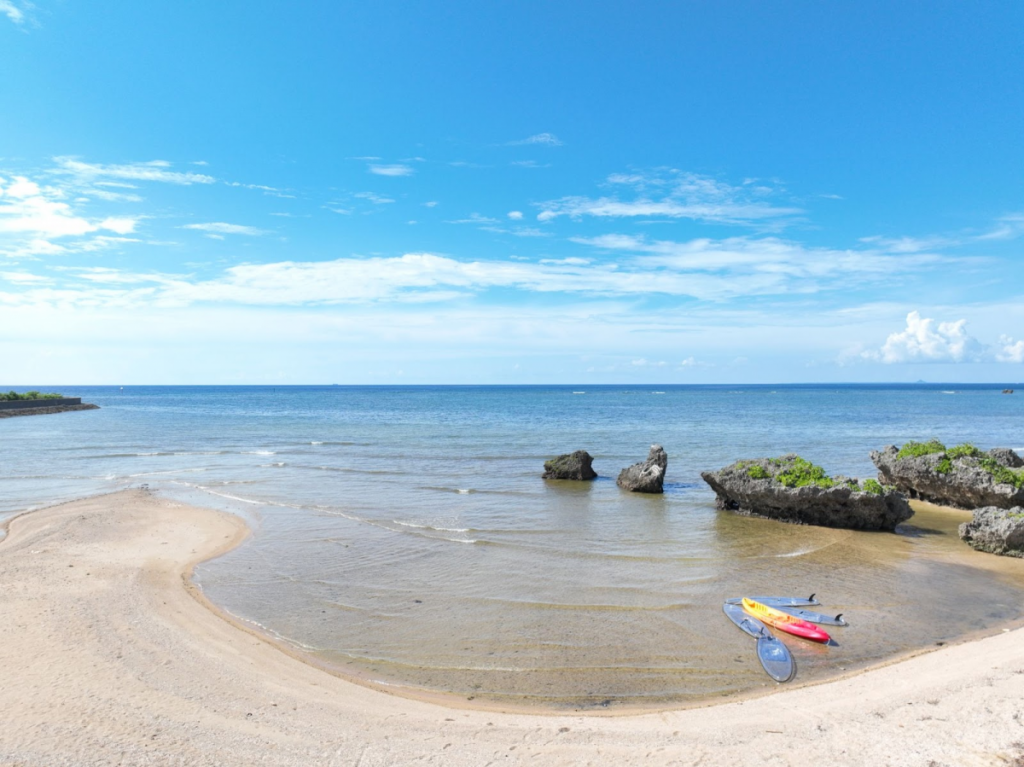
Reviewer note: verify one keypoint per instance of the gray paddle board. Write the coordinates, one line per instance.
(773, 654)
(778, 601)
(775, 658)
(813, 617)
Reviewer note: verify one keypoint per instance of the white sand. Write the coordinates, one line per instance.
(107, 658)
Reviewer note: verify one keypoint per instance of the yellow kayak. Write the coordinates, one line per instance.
(785, 622)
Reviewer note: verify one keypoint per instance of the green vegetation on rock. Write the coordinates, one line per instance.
(917, 449)
(1002, 474)
(944, 466)
(872, 486)
(13, 396)
(966, 450)
(802, 473)
(758, 472)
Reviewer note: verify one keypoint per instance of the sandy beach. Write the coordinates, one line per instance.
(108, 656)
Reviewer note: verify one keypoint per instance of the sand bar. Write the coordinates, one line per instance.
(107, 657)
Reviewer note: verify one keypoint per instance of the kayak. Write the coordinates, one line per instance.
(779, 601)
(784, 622)
(813, 617)
(773, 654)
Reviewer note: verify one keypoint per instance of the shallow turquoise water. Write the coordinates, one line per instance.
(404, 534)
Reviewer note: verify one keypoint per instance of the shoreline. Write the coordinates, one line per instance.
(152, 592)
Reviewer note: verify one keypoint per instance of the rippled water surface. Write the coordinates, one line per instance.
(404, 534)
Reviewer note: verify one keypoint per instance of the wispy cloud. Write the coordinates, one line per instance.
(539, 139)
(12, 11)
(219, 227)
(268, 190)
(373, 197)
(770, 255)
(154, 170)
(669, 193)
(392, 170)
(474, 218)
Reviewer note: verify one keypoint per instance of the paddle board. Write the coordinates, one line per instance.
(773, 654)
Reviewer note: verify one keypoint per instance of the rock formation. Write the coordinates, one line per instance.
(47, 410)
(963, 476)
(791, 489)
(997, 531)
(648, 476)
(570, 466)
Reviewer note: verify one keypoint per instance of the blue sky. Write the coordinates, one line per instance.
(510, 192)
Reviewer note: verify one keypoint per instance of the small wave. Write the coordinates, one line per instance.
(798, 552)
(949, 392)
(231, 497)
(657, 392)
(579, 392)
(258, 452)
(465, 490)
(316, 443)
(272, 465)
(419, 526)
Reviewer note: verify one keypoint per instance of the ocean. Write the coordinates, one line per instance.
(403, 535)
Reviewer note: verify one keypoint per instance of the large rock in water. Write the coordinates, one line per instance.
(997, 531)
(791, 489)
(648, 476)
(964, 481)
(570, 466)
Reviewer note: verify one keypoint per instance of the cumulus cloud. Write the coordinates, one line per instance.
(1010, 351)
(925, 341)
(219, 227)
(541, 139)
(392, 170)
(515, 215)
(672, 194)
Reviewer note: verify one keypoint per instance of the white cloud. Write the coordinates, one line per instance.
(154, 170)
(543, 139)
(12, 11)
(1010, 351)
(431, 204)
(515, 215)
(673, 194)
(392, 170)
(1007, 228)
(219, 227)
(644, 363)
(39, 214)
(474, 218)
(373, 197)
(924, 341)
(770, 255)
(24, 278)
(418, 277)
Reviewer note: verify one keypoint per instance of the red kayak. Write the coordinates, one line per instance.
(784, 622)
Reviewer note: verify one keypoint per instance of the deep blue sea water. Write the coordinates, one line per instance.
(404, 533)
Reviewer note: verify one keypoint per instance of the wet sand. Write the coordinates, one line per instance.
(109, 656)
